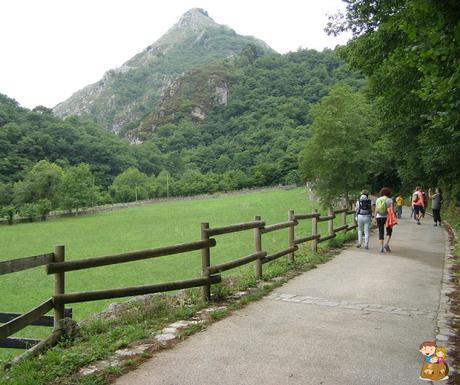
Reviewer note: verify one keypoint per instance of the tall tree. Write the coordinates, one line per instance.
(41, 182)
(78, 188)
(410, 49)
(130, 185)
(338, 156)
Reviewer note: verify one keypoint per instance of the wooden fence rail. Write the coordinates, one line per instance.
(234, 228)
(57, 265)
(278, 226)
(279, 254)
(88, 263)
(45, 320)
(15, 265)
(135, 290)
(26, 319)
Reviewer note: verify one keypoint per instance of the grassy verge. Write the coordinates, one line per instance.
(453, 217)
(138, 320)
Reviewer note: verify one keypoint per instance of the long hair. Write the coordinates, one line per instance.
(385, 191)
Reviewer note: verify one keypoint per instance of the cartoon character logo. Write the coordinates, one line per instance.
(434, 366)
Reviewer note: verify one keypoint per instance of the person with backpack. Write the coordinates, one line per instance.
(363, 211)
(417, 203)
(425, 203)
(399, 205)
(382, 205)
(436, 200)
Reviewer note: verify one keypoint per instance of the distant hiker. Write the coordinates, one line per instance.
(363, 211)
(417, 203)
(425, 203)
(436, 200)
(382, 205)
(399, 205)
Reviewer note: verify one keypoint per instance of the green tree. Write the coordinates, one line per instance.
(8, 212)
(338, 156)
(29, 211)
(41, 182)
(43, 207)
(78, 188)
(131, 185)
(410, 50)
(164, 183)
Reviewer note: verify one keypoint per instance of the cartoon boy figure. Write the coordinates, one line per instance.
(427, 348)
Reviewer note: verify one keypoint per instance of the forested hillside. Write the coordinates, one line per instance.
(27, 137)
(259, 132)
(252, 137)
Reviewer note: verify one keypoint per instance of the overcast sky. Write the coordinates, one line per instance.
(52, 48)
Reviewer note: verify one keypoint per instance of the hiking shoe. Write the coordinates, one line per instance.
(418, 222)
(387, 248)
(382, 250)
(366, 247)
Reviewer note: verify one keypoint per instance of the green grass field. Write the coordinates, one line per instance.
(149, 226)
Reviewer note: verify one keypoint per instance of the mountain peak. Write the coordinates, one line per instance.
(195, 18)
(125, 94)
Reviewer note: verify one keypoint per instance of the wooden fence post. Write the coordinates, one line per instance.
(330, 222)
(314, 231)
(291, 217)
(344, 221)
(59, 286)
(205, 262)
(258, 247)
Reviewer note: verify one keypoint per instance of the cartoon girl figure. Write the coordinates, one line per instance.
(441, 355)
(441, 359)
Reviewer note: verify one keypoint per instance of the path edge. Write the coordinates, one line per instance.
(443, 331)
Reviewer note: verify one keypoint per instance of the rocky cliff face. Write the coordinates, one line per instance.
(190, 96)
(126, 94)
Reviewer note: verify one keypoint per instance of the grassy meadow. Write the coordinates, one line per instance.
(148, 226)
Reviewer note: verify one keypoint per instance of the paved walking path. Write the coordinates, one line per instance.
(357, 319)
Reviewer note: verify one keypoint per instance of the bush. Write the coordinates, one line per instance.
(8, 212)
(29, 211)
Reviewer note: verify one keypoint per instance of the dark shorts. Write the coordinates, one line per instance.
(381, 226)
(418, 209)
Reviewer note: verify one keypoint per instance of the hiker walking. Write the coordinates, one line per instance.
(417, 203)
(436, 200)
(399, 205)
(363, 211)
(383, 206)
(425, 203)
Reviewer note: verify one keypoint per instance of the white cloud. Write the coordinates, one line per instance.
(52, 48)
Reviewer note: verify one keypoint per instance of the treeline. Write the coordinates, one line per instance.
(48, 187)
(410, 51)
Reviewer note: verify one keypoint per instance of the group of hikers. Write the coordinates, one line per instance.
(385, 213)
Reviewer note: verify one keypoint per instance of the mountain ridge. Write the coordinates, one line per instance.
(125, 94)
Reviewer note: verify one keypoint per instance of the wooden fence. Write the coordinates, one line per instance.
(210, 274)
